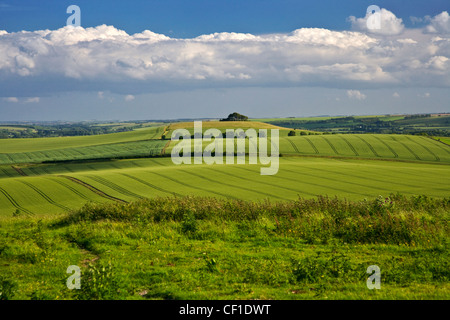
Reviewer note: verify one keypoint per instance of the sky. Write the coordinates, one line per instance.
(172, 59)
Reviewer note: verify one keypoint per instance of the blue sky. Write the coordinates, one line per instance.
(190, 18)
(270, 58)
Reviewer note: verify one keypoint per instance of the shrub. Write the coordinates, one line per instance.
(7, 288)
(99, 282)
(189, 224)
(317, 268)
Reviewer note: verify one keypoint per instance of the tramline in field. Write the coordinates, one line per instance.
(56, 175)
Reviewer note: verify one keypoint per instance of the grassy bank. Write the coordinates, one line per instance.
(208, 248)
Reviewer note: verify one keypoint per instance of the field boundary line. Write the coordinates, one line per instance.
(165, 131)
(93, 189)
(163, 150)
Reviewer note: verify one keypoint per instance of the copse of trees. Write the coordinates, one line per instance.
(235, 117)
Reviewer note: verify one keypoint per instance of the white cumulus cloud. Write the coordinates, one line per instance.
(106, 59)
(439, 23)
(355, 94)
(32, 100)
(11, 99)
(389, 23)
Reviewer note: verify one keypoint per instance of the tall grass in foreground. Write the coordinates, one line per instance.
(207, 248)
(392, 220)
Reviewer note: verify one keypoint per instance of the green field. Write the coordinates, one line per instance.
(51, 189)
(54, 175)
(9, 146)
(424, 124)
(138, 143)
(116, 205)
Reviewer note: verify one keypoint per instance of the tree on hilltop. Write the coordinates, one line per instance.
(235, 117)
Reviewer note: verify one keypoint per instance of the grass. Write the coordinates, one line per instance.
(206, 248)
(144, 228)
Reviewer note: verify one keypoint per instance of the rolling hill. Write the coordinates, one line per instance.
(54, 175)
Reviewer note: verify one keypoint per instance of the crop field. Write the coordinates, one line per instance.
(381, 146)
(223, 125)
(381, 117)
(9, 146)
(117, 206)
(373, 146)
(139, 143)
(54, 188)
(56, 176)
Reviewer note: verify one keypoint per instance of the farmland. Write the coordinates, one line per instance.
(428, 124)
(54, 188)
(118, 202)
(60, 174)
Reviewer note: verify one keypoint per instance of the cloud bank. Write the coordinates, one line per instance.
(389, 24)
(104, 58)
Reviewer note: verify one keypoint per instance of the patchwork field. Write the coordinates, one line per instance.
(141, 227)
(55, 175)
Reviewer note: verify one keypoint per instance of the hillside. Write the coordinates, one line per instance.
(141, 227)
(54, 175)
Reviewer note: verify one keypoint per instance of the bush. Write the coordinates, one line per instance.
(7, 288)
(319, 268)
(99, 282)
(189, 224)
(394, 219)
